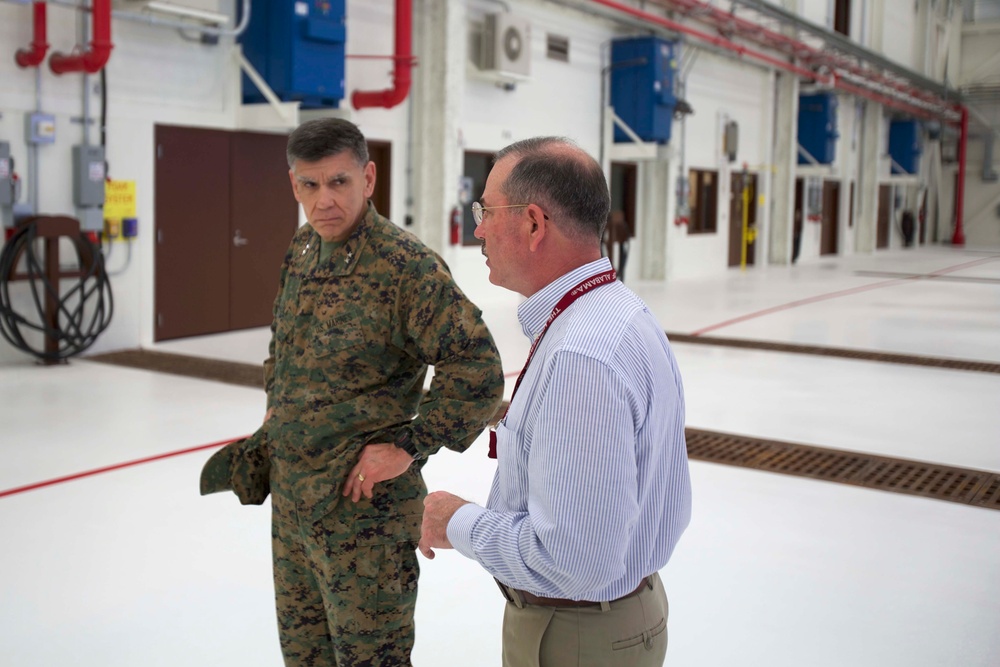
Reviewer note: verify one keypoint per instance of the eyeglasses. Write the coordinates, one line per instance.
(478, 210)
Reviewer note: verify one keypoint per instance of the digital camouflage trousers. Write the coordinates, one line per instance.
(345, 582)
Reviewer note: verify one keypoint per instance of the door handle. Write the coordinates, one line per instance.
(238, 240)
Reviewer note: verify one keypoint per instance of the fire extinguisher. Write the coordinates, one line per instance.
(456, 226)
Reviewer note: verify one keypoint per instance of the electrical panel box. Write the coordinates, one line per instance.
(40, 128)
(88, 176)
(904, 146)
(642, 87)
(298, 48)
(817, 132)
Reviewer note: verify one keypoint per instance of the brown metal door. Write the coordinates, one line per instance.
(191, 223)
(830, 219)
(884, 204)
(380, 152)
(624, 180)
(264, 216)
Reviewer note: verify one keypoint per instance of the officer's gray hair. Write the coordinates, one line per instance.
(317, 139)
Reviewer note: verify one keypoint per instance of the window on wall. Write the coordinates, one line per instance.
(842, 17)
(703, 201)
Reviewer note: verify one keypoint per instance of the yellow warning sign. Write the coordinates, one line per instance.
(119, 199)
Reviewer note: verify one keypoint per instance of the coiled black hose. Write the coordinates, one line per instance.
(83, 312)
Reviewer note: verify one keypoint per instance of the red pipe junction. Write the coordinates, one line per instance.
(35, 56)
(93, 60)
(402, 68)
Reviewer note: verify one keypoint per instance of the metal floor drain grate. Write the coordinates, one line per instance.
(930, 480)
(840, 353)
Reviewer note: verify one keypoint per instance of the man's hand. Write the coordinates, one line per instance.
(439, 507)
(377, 463)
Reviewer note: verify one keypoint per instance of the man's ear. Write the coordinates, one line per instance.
(369, 179)
(295, 185)
(540, 226)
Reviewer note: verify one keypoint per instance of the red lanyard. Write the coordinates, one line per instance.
(590, 283)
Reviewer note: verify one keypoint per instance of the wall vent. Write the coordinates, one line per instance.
(557, 48)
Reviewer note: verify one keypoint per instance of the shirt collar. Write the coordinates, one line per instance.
(535, 311)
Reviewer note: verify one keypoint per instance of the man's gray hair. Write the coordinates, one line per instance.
(565, 181)
(317, 139)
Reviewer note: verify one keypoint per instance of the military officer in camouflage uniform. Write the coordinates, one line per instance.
(362, 310)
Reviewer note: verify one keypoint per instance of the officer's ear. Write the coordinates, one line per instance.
(369, 179)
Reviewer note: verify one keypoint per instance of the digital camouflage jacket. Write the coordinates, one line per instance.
(350, 346)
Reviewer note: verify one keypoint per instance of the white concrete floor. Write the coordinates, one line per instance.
(132, 568)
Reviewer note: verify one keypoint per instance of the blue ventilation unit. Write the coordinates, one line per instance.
(642, 87)
(904, 146)
(818, 127)
(298, 48)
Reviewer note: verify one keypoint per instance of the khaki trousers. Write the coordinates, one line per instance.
(631, 633)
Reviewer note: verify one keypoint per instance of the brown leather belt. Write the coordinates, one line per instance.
(513, 594)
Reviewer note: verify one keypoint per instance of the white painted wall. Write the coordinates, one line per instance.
(899, 26)
(819, 12)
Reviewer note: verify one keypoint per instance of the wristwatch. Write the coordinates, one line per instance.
(404, 440)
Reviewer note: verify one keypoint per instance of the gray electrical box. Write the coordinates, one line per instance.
(6, 176)
(88, 176)
(40, 128)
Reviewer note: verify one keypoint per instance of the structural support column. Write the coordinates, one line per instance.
(869, 168)
(653, 216)
(439, 80)
(786, 109)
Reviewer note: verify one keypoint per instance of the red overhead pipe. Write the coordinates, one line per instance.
(39, 46)
(717, 41)
(958, 238)
(401, 71)
(729, 22)
(93, 60)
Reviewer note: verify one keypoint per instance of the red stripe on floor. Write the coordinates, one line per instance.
(834, 295)
(117, 466)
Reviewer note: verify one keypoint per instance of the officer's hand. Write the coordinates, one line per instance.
(439, 507)
(377, 463)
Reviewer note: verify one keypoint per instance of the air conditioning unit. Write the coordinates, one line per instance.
(506, 46)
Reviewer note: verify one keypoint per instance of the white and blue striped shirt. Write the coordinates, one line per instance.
(592, 489)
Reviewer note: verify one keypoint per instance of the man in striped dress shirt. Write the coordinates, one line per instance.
(592, 489)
